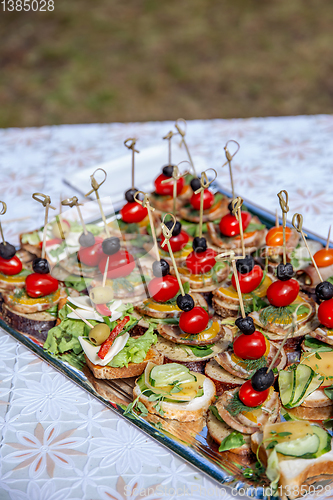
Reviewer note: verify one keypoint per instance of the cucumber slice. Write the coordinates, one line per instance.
(313, 386)
(169, 374)
(324, 441)
(299, 447)
(286, 386)
(304, 376)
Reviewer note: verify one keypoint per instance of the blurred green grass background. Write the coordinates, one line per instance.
(137, 60)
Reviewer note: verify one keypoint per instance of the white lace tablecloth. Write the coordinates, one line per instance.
(57, 442)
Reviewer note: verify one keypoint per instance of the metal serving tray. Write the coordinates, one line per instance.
(188, 440)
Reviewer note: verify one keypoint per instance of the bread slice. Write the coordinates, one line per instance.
(317, 399)
(132, 370)
(296, 475)
(184, 412)
(36, 324)
(220, 430)
(312, 413)
(222, 379)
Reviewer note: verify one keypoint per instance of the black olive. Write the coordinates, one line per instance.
(262, 380)
(160, 268)
(284, 272)
(199, 244)
(185, 302)
(245, 325)
(7, 251)
(324, 290)
(230, 207)
(176, 229)
(111, 245)
(195, 184)
(245, 265)
(87, 240)
(129, 195)
(168, 170)
(40, 266)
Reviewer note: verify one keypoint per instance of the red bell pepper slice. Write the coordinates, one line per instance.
(104, 349)
(103, 310)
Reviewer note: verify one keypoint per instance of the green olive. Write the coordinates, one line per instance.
(65, 229)
(99, 334)
(101, 294)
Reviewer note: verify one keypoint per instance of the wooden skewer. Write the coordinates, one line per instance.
(3, 211)
(46, 202)
(277, 218)
(146, 204)
(95, 187)
(105, 275)
(167, 233)
(176, 175)
(182, 133)
(233, 258)
(297, 222)
(132, 147)
(205, 183)
(328, 238)
(236, 210)
(169, 136)
(229, 157)
(285, 209)
(79, 316)
(74, 202)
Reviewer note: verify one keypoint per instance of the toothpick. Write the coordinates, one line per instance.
(229, 157)
(239, 293)
(95, 187)
(146, 204)
(74, 202)
(132, 147)
(79, 316)
(285, 209)
(205, 183)
(169, 136)
(3, 211)
(61, 231)
(277, 218)
(106, 271)
(167, 233)
(183, 133)
(236, 210)
(46, 202)
(176, 175)
(328, 238)
(297, 222)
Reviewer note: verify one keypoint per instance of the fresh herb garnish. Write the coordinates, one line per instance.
(281, 315)
(234, 440)
(236, 406)
(215, 412)
(200, 351)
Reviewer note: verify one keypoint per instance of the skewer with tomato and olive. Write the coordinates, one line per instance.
(12, 273)
(194, 325)
(274, 243)
(201, 270)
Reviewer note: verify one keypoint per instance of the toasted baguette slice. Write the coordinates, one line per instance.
(36, 324)
(296, 475)
(132, 370)
(222, 379)
(312, 413)
(184, 412)
(220, 430)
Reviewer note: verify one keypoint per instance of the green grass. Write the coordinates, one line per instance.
(116, 60)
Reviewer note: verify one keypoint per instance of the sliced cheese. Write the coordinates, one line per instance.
(85, 314)
(322, 366)
(83, 302)
(91, 351)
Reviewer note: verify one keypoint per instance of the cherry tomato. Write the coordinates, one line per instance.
(201, 262)
(103, 310)
(282, 293)
(39, 285)
(250, 346)
(274, 237)
(49, 243)
(229, 225)
(324, 257)
(325, 313)
(194, 321)
(167, 188)
(249, 281)
(133, 212)
(90, 256)
(121, 264)
(177, 242)
(208, 200)
(10, 267)
(164, 288)
(250, 397)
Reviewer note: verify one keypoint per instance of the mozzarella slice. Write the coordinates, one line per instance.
(87, 315)
(91, 351)
(83, 302)
(115, 305)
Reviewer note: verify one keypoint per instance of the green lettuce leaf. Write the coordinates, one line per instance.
(135, 350)
(234, 440)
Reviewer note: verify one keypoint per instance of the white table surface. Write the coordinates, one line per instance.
(57, 442)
